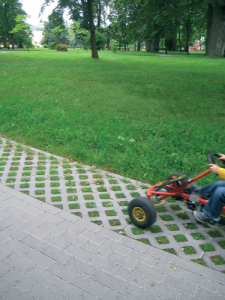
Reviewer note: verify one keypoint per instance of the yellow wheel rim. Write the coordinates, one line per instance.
(139, 214)
(222, 214)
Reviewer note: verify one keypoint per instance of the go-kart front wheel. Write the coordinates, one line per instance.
(142, 212)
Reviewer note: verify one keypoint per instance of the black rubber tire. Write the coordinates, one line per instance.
(148, 208)
(177, 184)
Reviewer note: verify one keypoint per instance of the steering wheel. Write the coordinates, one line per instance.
(211, 159)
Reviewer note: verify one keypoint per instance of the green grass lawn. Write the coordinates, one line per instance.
(141, 115)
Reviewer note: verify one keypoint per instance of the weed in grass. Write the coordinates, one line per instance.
(190, 226)
(26, 173)
(12, 174)
(19, 148)
(24, 185)
(170, 200)
(180, 238)
(135, 194)
(40, 185)
(88, 197)
(200, 262)
(69, 177)
(53, 172)
(98, 223)
(39, 192)
(92, 170)
(93, 214)
(160, 209)
(91, 205)
(175, 207)
(9, 180)
(99, 182)
(83, 177)
(144, 187)
(17, 154)
(27, 168)
(87, 190)
(137, 231)
(162, 240)
(72, 198)
(155, 229)
(114, 222)
(13, 169)
(25, 179)
(41, 162)
(166, 217)
(198, 236)
(54, 178)
(1, 169)
(104, 196)
(51, 157)
(113, 181)
(70, 190)
(171, 251)
(74, 206)
(54, 162)
(125, 211)
(55, 191)
(129, 222)
(41, 157)
(70, 183)
(5, 154)
(144, 240)
(15, 163)
(66, 166)
(218, 260)
(107, 204)
(67, 172)
(2, 163)
(207, 247)
(131, 187)
(120, 195)
(123, 203)
(183, 216)
(205, 225)
(101, 189)
(173, 227)
(55, 184)
(116, 188)
(222, 244)
(215, 233)
(29, 158)
(189, 250)
(40, 173)
(96, 176)
(28, 163)
(56, 199)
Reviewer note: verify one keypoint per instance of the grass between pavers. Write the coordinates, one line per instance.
(120, 232)
(93, 214)
(207, 247)
(72, 198)
(189, 250)
(198, 236)
(137, 231)
(180, 238)
(222, 244)
(115, 222)
(107, 204)
(218, 260)
(162, 240)
(110, 213)
(88, 197)
(200, 262)
(166, 217)
(90, 205)
(215, 233)
(74, 206)
(171, 250)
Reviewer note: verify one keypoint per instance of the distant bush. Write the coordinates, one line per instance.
(52, 45)
(61, 47)
(45, 46)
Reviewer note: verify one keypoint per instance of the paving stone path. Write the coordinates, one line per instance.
(102, 198)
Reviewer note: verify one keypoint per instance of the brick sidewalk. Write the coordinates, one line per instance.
(47, 253)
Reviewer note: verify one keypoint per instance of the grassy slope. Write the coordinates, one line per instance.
(140, 115)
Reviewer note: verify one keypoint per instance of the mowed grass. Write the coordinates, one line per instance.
(140, 115)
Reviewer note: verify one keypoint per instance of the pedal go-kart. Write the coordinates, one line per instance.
(143, 213)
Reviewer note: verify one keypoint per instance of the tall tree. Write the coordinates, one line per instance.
(215, 42)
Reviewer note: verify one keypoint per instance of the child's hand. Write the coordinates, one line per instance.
(214, 168)
(222, 157)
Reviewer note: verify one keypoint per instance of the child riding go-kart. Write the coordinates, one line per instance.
(143, 213)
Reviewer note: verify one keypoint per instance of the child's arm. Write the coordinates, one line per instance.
(217, 170)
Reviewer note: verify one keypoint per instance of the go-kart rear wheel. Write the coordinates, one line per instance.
(176, 184)
(142, 212)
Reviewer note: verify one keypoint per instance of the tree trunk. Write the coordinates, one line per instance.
(139, 46)
(179, 37)
(12, 41)
(166, 45)
(153, 43)
(187, 40)
(99, 13)
(92, 30)
(215, 45)
(125, 47)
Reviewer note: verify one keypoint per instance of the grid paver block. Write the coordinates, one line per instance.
(41, 275)
(181, 285)
(68, 290)
(20, 279)
(41, 292)
(89, 285)
(17, 294)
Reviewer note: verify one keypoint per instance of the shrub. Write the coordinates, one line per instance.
(45, 46)
(52, 45)
(61, 47)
